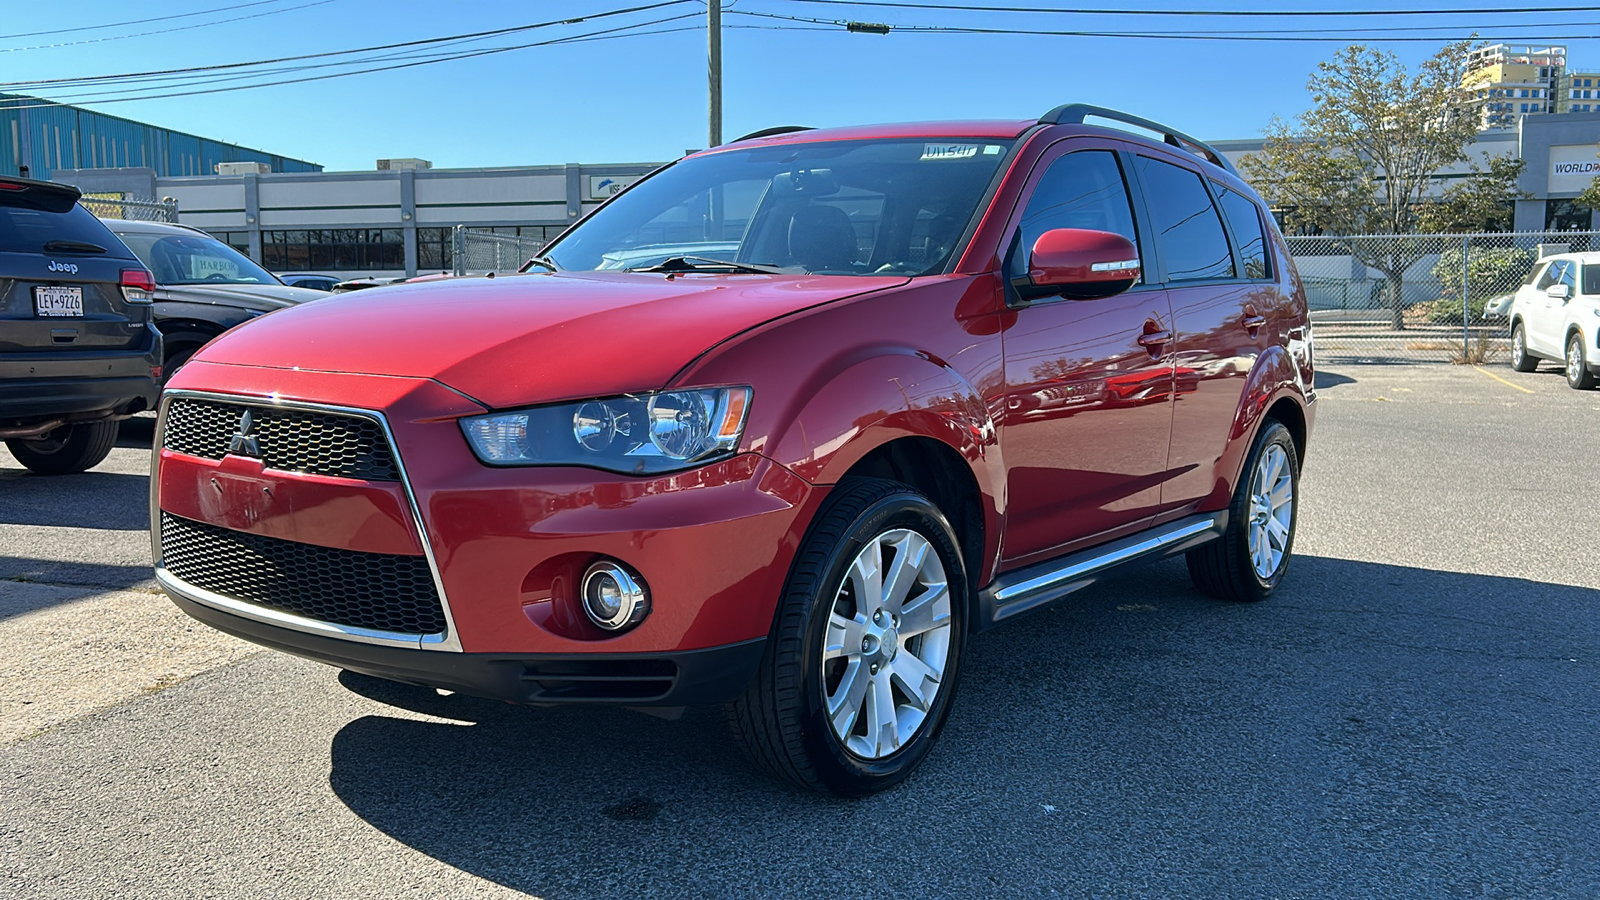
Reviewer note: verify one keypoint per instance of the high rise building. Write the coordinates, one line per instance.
(1580, 92)
(1510, 81)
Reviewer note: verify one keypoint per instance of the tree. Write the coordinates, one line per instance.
(1367, 158)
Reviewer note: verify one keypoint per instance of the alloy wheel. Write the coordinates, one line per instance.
(887, 644)
(1271, 511)
(1574, 361)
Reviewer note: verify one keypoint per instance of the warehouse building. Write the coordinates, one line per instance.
(395, 220)
(39, 138)
(398, 218)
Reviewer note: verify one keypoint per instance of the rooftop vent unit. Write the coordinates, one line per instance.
(243, 168)
(404, 164)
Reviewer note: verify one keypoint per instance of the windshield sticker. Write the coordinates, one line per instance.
(949, 151)
(991, 150)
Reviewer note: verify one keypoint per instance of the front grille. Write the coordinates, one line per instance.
(379, 591)
(290, 440)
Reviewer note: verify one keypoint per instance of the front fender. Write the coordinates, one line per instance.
(219, 318)
(865, 403)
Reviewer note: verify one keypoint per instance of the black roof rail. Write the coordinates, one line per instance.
(1075, 113)
(772, 132)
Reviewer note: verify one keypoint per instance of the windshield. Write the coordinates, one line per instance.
(193, 259)
(832, 207)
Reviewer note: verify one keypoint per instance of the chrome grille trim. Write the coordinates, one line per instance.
(448, 640)
(288, 440)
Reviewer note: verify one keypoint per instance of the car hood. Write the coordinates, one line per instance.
(260, 297)
(525, 339)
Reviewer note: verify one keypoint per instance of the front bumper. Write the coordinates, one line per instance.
(505, 547)
(684, 678)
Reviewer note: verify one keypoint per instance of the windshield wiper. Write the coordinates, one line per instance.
(72, 247)
(702, 263)
(543, 262)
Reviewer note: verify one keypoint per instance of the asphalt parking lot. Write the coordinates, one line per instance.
(1414, 714)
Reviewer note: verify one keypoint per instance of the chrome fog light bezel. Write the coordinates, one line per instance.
(633, 596)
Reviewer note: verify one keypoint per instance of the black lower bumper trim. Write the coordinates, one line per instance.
(681, 678)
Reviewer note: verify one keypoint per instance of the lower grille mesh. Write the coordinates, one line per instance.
(379, 591)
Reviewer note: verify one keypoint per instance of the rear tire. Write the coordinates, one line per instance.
(1579, 378)
(860, 668)
(67, 450)
(1521, 359)
(1248, 561)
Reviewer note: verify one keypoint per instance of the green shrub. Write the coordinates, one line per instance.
(1491, 272)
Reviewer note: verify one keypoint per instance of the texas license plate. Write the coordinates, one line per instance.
(58, 302)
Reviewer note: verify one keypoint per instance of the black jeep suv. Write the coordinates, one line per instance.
(78, 347)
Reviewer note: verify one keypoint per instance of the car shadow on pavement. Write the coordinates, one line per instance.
(138, 431)
(68, 574)
(108, 500)
(1325, 379)
(1370, 725)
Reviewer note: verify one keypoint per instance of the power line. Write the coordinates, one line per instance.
(910, 4)
(202, 12)
(1320, 35)
(494, 32)
(615, 32)
(140, 34)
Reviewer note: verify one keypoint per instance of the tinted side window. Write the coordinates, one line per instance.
(25, 230)
(1246, 224)
(1552, 274)
(1569, 277)
(1188, 230)
(1591, 279)
(1079, 190)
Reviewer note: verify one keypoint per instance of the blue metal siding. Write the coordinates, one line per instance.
(47, 136)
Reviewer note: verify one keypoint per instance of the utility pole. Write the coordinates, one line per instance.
(714, 67)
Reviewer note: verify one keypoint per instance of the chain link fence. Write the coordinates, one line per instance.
(476, 252)
(1400, 298)
(116, 206)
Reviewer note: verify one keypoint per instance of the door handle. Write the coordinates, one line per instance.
(1252, 321)
(1154, 340)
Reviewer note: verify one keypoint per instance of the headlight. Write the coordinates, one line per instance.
(635, 434)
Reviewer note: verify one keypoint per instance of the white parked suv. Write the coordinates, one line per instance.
(1556, 315)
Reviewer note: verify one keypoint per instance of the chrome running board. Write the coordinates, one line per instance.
(1049, 581)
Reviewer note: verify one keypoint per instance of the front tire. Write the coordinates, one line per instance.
(1579, 378)
(1248, 561)
(860, 669)
(1521, 359)
(66, 450)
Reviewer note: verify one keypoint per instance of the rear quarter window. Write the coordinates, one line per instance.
(1246, 224)
(24, 230)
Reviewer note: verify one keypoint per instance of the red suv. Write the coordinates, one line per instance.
(780, 426)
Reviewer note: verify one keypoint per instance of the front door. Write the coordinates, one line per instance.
(1545, 314)
(1088, 382)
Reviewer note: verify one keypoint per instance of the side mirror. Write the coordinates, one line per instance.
(1559, 292)
(1079, 264)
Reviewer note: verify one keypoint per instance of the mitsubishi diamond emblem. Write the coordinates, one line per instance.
(244, 443)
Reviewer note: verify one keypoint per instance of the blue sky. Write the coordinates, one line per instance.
(643, 98)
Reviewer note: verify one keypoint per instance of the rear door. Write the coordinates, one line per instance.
(61, 276)
(1212, 246)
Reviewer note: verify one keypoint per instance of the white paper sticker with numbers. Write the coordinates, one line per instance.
(949, 151)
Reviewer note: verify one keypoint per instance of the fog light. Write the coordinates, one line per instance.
(613, 597)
